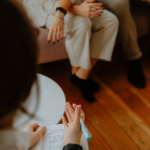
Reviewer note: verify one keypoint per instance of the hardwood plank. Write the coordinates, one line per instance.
(110, 74)
(143, 94)
(146, 66)
(96, 142)
(108, 128)
(128, 121)
(136, 105)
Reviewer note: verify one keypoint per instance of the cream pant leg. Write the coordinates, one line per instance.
(103, 38)
(86, 38)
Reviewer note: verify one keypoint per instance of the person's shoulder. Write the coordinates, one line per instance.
(16, 138)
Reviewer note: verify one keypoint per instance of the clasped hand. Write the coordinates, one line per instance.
(90, 9)
(87, 9)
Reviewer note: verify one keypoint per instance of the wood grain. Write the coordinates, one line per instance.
(134, 127)
(119, 119)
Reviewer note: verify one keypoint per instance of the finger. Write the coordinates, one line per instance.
(96, 5)
(90, 1)
(65, 123)
(82, 115)
(71, 110)
(40, 131)
(49, 35)
(74, 106)
(58, 35)
(99, 9)
(34, 126)
(95, 14)
(77, 114)
(54, 36)
(62, 34)
(68, 115)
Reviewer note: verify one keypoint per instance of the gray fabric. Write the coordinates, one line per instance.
(127, 35)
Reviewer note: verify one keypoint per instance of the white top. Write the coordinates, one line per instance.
(14, 140)
(38, 10)
(51, 104)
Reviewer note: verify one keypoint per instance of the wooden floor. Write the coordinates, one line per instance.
(119, 119)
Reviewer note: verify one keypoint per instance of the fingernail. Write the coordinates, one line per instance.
(79, 107)
(44, 127)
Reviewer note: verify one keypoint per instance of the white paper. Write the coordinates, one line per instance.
(53, 139)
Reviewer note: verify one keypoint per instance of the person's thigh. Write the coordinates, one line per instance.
(105, 20)
(104, 32)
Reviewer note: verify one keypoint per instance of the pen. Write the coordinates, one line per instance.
(85, 131)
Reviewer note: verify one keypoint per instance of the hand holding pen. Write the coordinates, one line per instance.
(73, 131)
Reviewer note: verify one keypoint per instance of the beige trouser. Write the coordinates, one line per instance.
(89, 38)
(127, 34)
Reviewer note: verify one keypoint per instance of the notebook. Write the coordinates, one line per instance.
(53, 139)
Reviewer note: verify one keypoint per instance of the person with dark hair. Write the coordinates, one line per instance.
(18, 58)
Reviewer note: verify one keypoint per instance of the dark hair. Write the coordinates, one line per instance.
(18, 57)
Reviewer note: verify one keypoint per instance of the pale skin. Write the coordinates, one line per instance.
(73, 132)
(57, 26)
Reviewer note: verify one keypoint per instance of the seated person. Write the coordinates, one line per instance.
(90, 33)
(127, 36)
(18, 73)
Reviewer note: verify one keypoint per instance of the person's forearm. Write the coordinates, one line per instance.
(74, 9)
(65, 4)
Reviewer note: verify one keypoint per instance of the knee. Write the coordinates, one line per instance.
(113, 20)
(84, 24)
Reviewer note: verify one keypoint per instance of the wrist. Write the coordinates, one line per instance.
(77, 9)
(60, 14)
(74, 140)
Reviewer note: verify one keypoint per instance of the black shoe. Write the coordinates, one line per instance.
(93, 86)
(84, 88)
(136, 75)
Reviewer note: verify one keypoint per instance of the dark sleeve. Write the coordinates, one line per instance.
(72, 147)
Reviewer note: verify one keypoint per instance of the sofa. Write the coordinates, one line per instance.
(52, 52)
